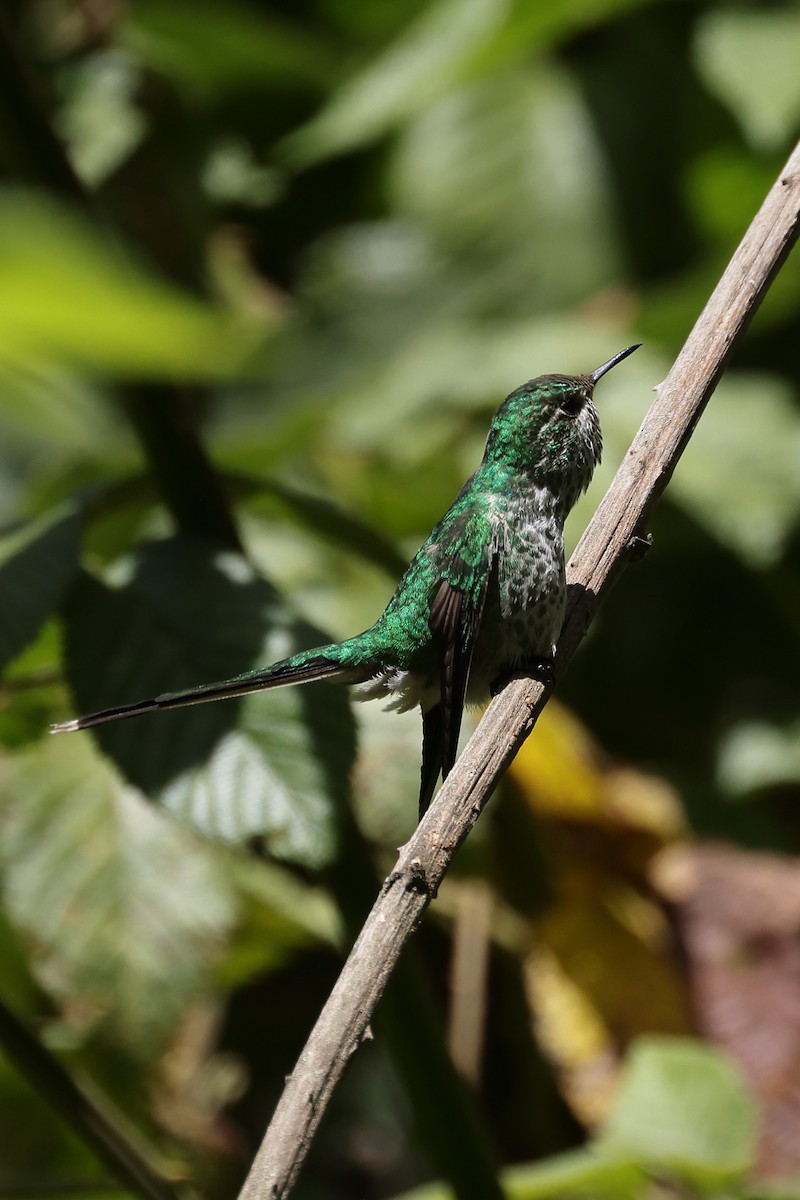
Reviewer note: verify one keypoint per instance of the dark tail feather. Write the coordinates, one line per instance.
(432, 755)
(281, 675)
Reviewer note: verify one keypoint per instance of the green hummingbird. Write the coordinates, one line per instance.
(485, 595)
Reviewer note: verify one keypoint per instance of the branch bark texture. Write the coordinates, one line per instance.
(609, 543)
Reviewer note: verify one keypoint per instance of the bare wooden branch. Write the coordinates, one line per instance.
(606, 547)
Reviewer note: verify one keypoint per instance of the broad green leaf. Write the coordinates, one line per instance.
(32, 687)
(53, 406)
(683, 1108)
(585, 1172)
(740, 474)
(453, 43)
(279, 915)
(124, 912)
(325, 518)
(429, 58)
(756, 755)
(273, 764)
(749, 59)
(37, 563)
(69, 293)
(464, 169)
(100, 119)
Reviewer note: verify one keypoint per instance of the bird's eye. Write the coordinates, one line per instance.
(571, 404)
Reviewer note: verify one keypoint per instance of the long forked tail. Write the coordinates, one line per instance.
(303, 668)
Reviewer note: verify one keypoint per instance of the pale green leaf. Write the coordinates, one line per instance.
(683, 1108)
(428, 59)
(756, 755)
(453, 43)
(585, 1173)
(280, 914)
(69, 293)
(100, 119)
(749, 59)
(465, 169)
(56, 408)
(740, 474)
(124, 912)
(324, 518)
(273, 764)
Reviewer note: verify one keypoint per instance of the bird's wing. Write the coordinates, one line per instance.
(468, 549)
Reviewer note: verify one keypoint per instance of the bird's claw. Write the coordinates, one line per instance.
(541, 669)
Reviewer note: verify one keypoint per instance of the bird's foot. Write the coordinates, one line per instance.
(541, 669)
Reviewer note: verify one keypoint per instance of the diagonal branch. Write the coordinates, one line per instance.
(608, 544)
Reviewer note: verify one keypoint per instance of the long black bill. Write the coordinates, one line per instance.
(612, 362)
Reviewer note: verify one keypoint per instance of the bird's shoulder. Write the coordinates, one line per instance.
(463, 544)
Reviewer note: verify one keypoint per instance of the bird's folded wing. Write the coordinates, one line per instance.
(455, 617)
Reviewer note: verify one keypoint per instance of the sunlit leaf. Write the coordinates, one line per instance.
(739, 476)
(755, 755)
(684, 1108)
(272, 764)
(123, 911)
(596, 974)
(749, 59)
(100, 119)
(463, 168)
(324, 518)
(36, 565)
(279, 915)
(451, 44)
(565, 775)
(47, 404)
(425, 62)
(584, 1172)
(68, 292)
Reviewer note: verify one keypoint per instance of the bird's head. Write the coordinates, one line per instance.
(548, 430)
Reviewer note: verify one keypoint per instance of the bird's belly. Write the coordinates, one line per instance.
(524, 611)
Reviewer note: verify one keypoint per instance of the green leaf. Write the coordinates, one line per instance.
(274, 764)
(585, 1172)
(756, 755)
(323, 517)
(124, 912)
(213, 48)
(50, 405)
(68, 292)
(428, 59)
(749, 59)
(683, 1108)
(739, 474)
(453, 43)
(463, 170)
(280, 914)
(582, 1172)
(37, 563)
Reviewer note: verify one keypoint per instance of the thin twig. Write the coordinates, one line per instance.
(609, 542)
(125, 1162)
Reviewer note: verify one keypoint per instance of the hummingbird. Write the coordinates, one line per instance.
(483, 598)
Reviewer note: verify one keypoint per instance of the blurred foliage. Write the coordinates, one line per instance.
(324, 240)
